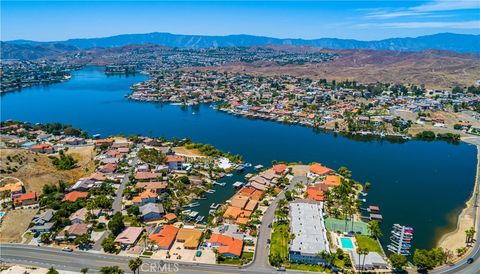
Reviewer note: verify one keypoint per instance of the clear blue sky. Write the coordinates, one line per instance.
(365, 20)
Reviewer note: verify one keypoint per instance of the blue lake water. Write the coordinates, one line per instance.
(420, 184)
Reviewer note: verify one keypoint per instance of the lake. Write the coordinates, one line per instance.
(417, 183)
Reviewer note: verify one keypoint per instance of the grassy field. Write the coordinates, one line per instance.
(36, 170)
(14, 224)
(369, 243)
(279, 241)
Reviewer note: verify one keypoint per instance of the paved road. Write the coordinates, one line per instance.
(117, 203)
(260, 262)
(74, 261)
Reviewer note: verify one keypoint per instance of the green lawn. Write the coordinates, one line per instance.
(279, 241)
(246, 258)
(369, 243)
(308, 267)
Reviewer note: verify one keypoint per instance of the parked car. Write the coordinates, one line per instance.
(470, 260)
(67, 249)
(282, 268)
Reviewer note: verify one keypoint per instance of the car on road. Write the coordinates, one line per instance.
(282, 268)
(470, 260)
(268, 241)
(67, 249)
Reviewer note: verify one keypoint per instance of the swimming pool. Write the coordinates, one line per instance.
(346, 243)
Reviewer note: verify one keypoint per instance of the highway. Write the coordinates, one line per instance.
(74, 261)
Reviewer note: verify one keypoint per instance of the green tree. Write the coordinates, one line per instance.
(82, 241)
(108, 244)
(52, 270)
(84, 270)
(374, 229)
(469, 234)
(398, 261)
(134, 264)
(111, 270)
(116, 224)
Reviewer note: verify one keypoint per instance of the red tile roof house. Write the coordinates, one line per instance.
(108, 168)
(317, 170)
(75, 195)
(43, 148)
(175, 162)
(24, 199)
(280, 169)
(227, 246)
(129, 236)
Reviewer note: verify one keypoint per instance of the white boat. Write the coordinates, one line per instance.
(247, 165)
(237, 184)
(220, 184)
(199, 219)
(258, 167)
(210, 191)
(214, 206)
(229, 175)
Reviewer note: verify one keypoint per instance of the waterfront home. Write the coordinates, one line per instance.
(164, 236)
(100, 143)
(280, 169)
(152, 211)
(236, 215)
(307, 225)
(43, 148)
(226, 246)
(189, 237)
(317, 170)
(75, 195)
(129, 236)
(332, 181)
(315, 192)
(170, 218)
(370, 262)
(25, 199)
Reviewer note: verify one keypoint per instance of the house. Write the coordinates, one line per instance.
(152, 211)
(46, 227)
(164, 236)
(75, 195)
(15, 189)
(43, 148)
(44, 217)
(147, 175)
(315, 193)
(143, 168)
(332, 181)
(317, 170)
(103, 142)
(170, 218)
(129, 236)
(83, 185)
(310, 235)
(227, 246)
(147, 196)
(24, 199)
(369, 262)
(158, 187)
(175, 162)
(73, 231)
(280, 169)
(108, 168)
(80, 216)
(189, 237)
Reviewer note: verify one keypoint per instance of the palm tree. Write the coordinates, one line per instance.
(364, 252)
(469, 234)
(374, 229)
(134, 264)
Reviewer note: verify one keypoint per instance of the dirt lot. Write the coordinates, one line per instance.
(14, 225)
(36, 170)
(188, 152)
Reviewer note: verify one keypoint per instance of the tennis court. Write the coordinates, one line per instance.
(335, 225)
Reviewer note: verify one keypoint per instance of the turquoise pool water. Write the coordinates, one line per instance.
(347, 243)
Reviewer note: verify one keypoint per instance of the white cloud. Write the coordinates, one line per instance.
(475, 24)
(425, 9)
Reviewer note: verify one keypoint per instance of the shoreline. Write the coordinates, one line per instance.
(456, 238)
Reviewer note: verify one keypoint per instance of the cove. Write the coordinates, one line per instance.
(415, 183)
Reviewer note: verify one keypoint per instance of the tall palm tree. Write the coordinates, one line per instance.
(374, 229)
(134, 264)
(469, 234)
(364, 252)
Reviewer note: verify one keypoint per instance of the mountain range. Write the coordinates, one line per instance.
(462, 43)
